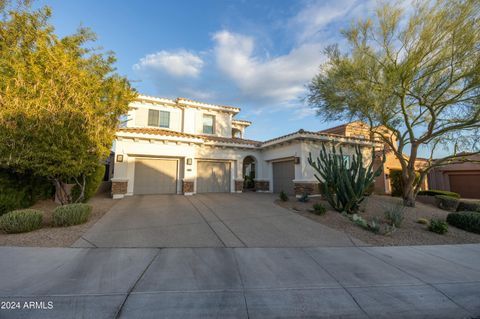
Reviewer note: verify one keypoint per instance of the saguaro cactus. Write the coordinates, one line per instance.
(344, 182)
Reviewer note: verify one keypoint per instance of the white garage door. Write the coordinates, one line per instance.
(213, 177)
(155, 176)
(283, 176)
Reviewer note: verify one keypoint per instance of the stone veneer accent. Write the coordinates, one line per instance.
(311, 188)
(263, 186)
(188, 186)
(239, 185)
(119, 187)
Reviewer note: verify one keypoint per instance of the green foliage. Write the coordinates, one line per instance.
(344, 184)
(412, 75)
(92, 182)
(283, 196)
(319, 209)
(395, 215)
(469, 206)
(304, 198)
(22, 190)
(373, 225)
(447, 202)
(438, 226)
(60, 101)
(249, 182)
(21, 221)
(396, 182)
(469, 221)
(423, 221)
(434, 192)
(72, 214)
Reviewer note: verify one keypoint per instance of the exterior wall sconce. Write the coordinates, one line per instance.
(119, 158)
(297, 160)
(189, 161)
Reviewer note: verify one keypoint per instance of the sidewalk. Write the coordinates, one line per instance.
(347, 282)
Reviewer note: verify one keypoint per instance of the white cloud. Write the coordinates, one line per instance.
(177, 64)
(278, 79)
(310, 22)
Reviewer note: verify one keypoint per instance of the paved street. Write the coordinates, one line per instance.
(333, 282)
(208, 220)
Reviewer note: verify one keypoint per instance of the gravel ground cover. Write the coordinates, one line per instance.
(50, 236)
(410, 232)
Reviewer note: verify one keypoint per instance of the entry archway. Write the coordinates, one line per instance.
(249, 172)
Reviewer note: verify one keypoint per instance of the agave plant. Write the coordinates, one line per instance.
(344, 183)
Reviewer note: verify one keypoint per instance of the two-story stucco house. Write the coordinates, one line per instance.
(185, 147)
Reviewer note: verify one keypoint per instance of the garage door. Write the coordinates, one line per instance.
(155, 176)
(468, 186)
(213, 177)
(283, 176)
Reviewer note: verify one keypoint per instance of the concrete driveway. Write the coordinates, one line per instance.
(326, 282)
(208, 220)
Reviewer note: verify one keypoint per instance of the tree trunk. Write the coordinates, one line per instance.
(409, 189)
(61, 192)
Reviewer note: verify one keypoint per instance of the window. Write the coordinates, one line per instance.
(208, 122)
(158, 118)
(346, 160)
(164, 119)
(153, 116)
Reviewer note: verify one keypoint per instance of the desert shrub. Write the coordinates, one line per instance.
(21, 221)
(438, 226)
(423, 221)
(394, 215)
(396, 182)
(434, 192)
(464, 206)
(92, 182)
(283, 196)
(447, 202)
(374, 225)
(72, 214)
(21, 190)
(304, 198)
(469, 221)
(319, 209)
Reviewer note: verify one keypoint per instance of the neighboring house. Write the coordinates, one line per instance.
(463, 178)
(362, 130)
(184, 147)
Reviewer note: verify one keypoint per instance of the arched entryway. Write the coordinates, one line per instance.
(249, 171)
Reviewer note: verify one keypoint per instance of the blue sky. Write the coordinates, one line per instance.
(257, 55)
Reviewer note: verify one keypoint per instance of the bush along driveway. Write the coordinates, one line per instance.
(325, 282)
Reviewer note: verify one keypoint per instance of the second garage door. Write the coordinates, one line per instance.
(213, 177)
(155, 176)
(468, 186)
(283, 176)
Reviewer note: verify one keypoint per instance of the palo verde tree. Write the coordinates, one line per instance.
(414, 78)
(60, 101)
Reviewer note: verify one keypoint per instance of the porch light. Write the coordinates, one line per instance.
(189, 161)
(119, 158)
(297, 160)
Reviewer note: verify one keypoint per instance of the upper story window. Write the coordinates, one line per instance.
(208, 123)
(159, 118)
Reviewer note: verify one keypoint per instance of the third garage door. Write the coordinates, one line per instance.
(213, 177)
(467, 185)
(283, 176)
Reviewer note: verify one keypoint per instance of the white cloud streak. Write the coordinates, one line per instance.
(180, 63)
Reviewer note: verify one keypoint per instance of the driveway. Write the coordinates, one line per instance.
(325, 282)
(208, 220)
